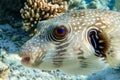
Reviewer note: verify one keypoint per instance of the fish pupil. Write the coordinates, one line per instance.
(60, 31)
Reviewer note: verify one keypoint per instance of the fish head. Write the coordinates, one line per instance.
(73, 44)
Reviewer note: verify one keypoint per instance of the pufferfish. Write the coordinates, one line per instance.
(79, 42)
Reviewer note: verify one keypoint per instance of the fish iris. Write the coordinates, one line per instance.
(60, 31)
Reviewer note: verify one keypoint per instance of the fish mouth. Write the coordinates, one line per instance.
(29, 54)
(26, 59)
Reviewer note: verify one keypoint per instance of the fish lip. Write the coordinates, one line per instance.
(24, 61)
(33, 59)
(24, 57)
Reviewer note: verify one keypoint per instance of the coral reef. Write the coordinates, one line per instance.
(4, 68)
(98, 4)
(12, 38)
(36, 10)
(89, 4)
(82, 5)
(73, 4)
(117, 5)
(107, 74)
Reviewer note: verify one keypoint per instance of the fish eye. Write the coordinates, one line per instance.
(60, 31)
(99, 42)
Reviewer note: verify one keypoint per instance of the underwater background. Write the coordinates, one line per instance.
(14, 32)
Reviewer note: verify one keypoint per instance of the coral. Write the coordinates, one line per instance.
(12, 38)
(82, 5)
(117, 5)
(35, 10)
(98, 4)
(4, 68)
(72, 4)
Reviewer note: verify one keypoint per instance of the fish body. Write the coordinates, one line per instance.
(80, 42)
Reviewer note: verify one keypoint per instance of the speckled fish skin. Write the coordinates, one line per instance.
(75, 54)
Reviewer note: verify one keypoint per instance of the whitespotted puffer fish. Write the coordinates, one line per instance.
(79, 42)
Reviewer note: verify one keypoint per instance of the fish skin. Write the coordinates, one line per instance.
(75, 54)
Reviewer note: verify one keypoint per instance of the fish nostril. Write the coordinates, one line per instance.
(27, 59)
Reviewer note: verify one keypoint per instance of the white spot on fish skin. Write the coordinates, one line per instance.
(103, 27)
(78, 23)
(79, 27)
(74, 15)
(78, 31)
(80, 19)
(73, 24)
(75, 28)
(98, 23)
(101, 41)
(98, 19)
(91, 23)
(84, 24)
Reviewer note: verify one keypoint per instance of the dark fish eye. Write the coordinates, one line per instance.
(99, 42)
(60, 31)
